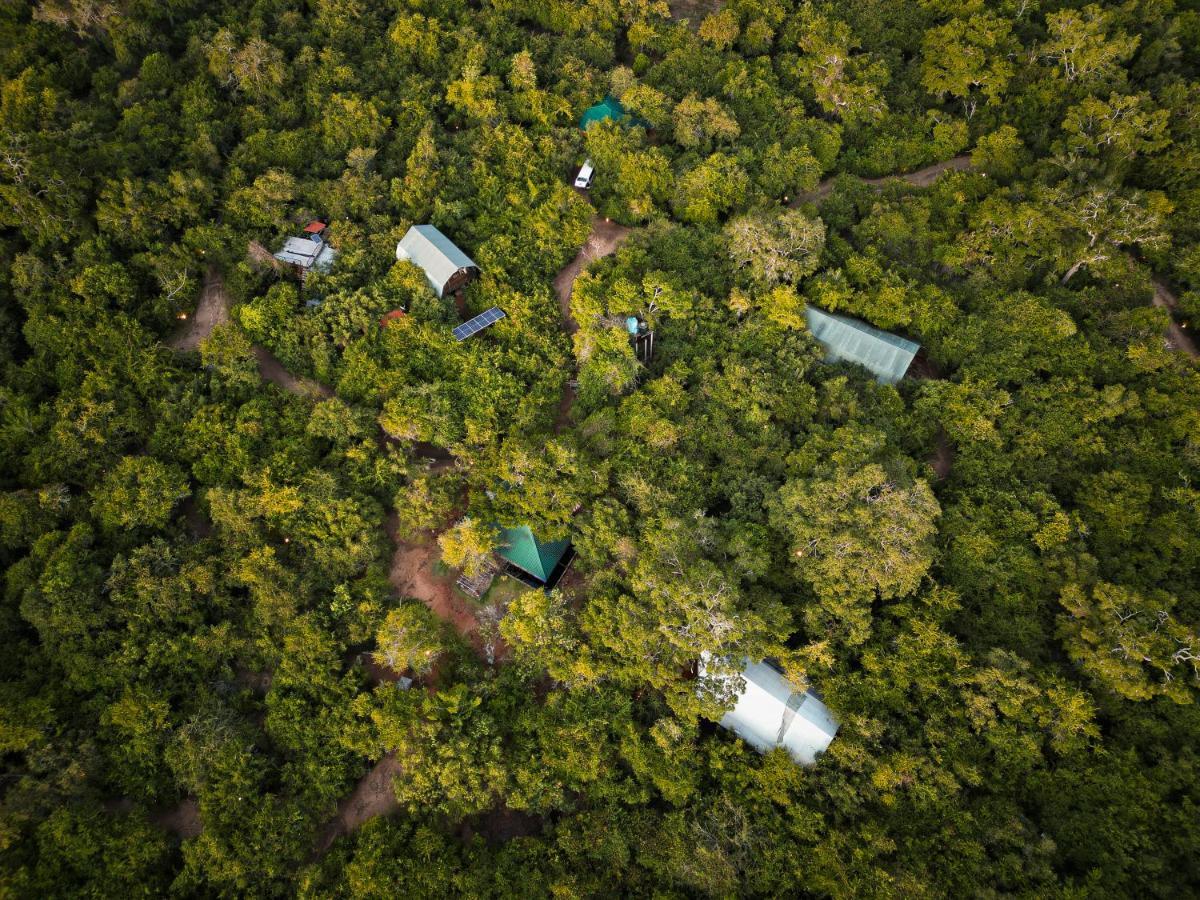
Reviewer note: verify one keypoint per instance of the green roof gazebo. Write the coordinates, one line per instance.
(608, 108)
(544, 563)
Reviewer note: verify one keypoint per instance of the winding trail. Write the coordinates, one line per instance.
(920, 178)
(603, 241)
(373, 796)
(1177, 338)
(212, 309)
(272, 370)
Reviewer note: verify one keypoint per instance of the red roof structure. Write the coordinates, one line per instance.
(392, 317)
(314, 227)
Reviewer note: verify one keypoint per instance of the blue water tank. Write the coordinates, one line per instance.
(631, 324)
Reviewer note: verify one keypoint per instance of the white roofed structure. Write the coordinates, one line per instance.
(307, 254)
(771, 713)
(884, 355)
(445, 266)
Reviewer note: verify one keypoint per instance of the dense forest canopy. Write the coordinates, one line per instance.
(234, 502)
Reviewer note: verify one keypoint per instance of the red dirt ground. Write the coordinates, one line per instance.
(413, 575)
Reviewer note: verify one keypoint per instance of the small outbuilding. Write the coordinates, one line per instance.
(884, 355)
(536, 563)
(307, 253)
(446, 267)
(771, 713)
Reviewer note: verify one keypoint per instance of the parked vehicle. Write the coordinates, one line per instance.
(584, 178)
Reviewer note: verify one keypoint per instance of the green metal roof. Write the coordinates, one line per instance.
(885, 355)
(608, 108)
(523, 550)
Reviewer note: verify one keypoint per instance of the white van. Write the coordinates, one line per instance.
(584, 178)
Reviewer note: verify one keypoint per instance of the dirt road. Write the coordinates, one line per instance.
(211, 310)
(1177, 337)
(604, 240)
(920, 178)
(372, 796)
(272, 370)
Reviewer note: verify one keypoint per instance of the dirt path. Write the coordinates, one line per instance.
(920, 178)
(1177, 338)
(272, 370)
(184, 820)
(372, 796)
(943, 456)
(211, 310)
(412, 575)
(605, 238)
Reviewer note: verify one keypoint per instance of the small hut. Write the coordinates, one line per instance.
(534, 562)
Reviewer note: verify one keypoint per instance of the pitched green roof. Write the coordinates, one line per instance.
(885, 355)
(608, 108)
(523, 550)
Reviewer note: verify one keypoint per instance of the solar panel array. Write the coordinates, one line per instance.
(477, 324)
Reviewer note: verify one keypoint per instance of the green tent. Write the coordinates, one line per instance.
(608, 108)
(527, 553)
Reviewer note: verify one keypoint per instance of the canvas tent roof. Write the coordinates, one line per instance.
(885, 355)
(306, 253)
(771, 713)
(523, 550)
(435, 253)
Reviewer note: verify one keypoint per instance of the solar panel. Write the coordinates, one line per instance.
(477, 324)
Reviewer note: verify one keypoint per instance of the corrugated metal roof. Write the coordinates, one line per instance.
(885, 355)
(435, 253)
(771, 713)
(306, 253)
(523, 550)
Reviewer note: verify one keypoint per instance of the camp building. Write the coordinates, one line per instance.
(536, 563)
(884, 355)
(446, 267)
(308, 252)
(771, 713)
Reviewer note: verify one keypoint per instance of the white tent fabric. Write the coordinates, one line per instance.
(884, 355)
(434, 253)
(770, 713)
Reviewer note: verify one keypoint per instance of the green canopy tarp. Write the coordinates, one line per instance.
(523, 550)
(608, 108)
